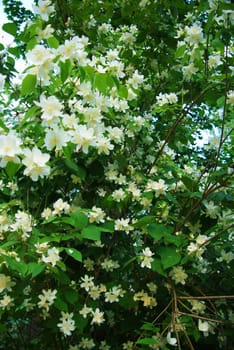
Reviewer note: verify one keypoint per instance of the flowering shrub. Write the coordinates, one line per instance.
(116, 224)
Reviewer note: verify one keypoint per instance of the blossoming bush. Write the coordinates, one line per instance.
(116, 223)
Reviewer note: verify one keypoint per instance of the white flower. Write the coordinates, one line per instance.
(194, 34)
(35, 162)
(189, 70)
(10, 148)
(83, 137)
(203, 326)
(85, 311)
(96, 215)
(60, 206)
(136, 79)
(47, 298)
(214, 61)
(123, 225)
(87, 343)
(56, 138)
(67, 325)
(98, 317)
(163, 99)
(226, 256)
(118, 195)
(6, 302)
(52, 256)
(146, 257)
(51, 107)
(87, 282)
(5, 282)
(170, 340)
(178, 274)
(45, 33)
(43, 9)
(104, 146)
(212, 210)
(39, 55)
(158, 186)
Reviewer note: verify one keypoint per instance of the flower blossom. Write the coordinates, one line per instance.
(43, 9)
(67, 325)
(35, 162)
(10, 148)
(52, 256)
(146, 257)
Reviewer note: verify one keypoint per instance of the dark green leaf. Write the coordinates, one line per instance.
(145, 220)
(157, 267)
(76, 169)
(74, 253)
(60, 305)
(71, 296)
(35, 269)
(10, 28)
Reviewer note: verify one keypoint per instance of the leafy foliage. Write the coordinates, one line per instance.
(116, 223)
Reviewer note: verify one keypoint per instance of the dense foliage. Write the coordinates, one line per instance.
(116, 217)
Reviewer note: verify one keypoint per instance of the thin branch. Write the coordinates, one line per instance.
(200, 317)
(188, 340)
(162, 312)
(206, 297)
(215, 236)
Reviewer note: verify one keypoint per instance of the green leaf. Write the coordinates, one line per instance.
(157, 267)
(60, 305)
(31, 44)
(11, 169)
(76, 169)
(158, 231)
(10, 28)
(149, 327)
(18, 266)
(80, 220)
(180, 51)
(123, 91)
(189, 183)
(91, 232)
(33, 111)
(7, 244)
(169, 256)
(68, 149)
(129, 261)
(108, 226)
(100, 82)
(75, 254)
(145, 220)
(71, 296)
(147, 341)
(28, 84)
(53, 42)
(65, 69)
(35, 269)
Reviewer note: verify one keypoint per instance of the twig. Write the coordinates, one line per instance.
(200, 317)
(206, 297)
